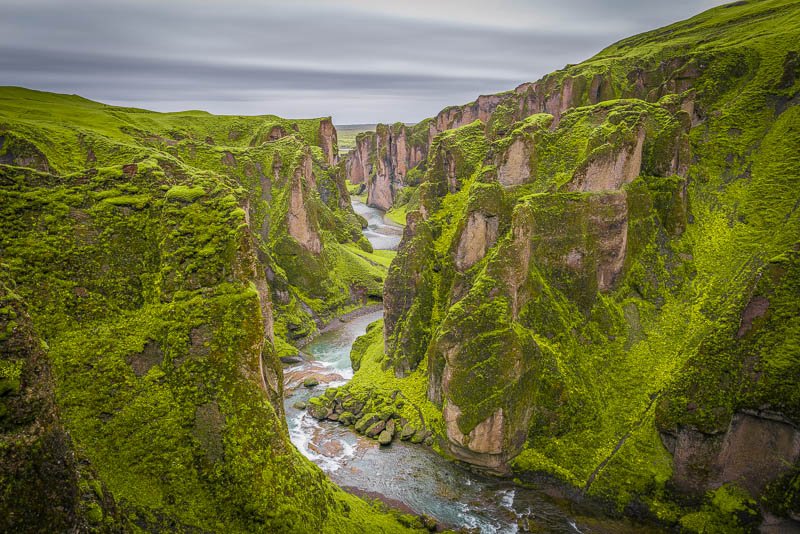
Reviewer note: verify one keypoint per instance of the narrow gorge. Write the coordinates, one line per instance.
(573, 306)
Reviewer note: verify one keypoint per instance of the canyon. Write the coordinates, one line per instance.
(589, 311)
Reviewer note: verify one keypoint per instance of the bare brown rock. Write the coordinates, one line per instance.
(479, 235)
(228, 159)
(514, 168)
(756, 449)
(612, 169)
(300, 226)
(756, 308)
(328, 141)
(483, 445)
(276, 133)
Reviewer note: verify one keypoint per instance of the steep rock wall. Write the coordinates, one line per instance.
(618, 334)
(160, 280)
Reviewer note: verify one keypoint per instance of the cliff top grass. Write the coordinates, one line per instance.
(65, 127)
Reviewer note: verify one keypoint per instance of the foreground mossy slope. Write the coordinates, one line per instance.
(148, 249)
(605, 294)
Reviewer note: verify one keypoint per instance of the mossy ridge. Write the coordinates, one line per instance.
(191, 146)
(696, 247)
(143, 277)
(47, 483)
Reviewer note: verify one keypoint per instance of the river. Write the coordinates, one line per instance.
(412, 474)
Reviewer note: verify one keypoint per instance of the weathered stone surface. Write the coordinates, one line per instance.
(754, 451)
(150, 356)
(41, 470)
(407, 431)
(407, 296)
(515, 167)
(483, 445)
(300, 225)
(328, 141)
(367, 421)
(612, 169)
(418, 437)
(318, 408)
(479, 235)
(374, 429)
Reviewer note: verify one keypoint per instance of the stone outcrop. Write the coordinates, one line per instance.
(163, 339)
(612, 169)
(328, 141)
(554, 94)
(483, 445)
(514, 168)
(408, 296)
(15, 150)
(754, 451)
(358, 165)
(458, 116)
(382, 159)
(299, 222)
(47, 485)
(479, 235)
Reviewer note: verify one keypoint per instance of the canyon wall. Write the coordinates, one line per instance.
(154, 269)
(598, 273)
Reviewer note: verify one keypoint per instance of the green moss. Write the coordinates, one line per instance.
(375, 382)
(602, 365)
(183, 193)
(152, 310)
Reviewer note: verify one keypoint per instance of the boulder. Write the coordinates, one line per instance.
(385, 437)
(347, 418)
(367, 421)
(375, 429)
(299, 405)
(418, 437)
(318, 408)
(407, 431)
(310, 382)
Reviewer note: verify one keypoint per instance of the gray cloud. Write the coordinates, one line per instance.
(359, 60)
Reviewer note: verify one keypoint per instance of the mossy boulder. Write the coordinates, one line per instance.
(319, 407)
(385, 438)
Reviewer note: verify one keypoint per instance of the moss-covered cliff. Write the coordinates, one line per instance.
(600, 281)
(164, 261)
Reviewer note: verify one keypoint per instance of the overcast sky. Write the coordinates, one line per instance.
(361, 61)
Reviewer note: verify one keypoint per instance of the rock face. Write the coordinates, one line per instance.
(328, 141)
(584, 277)
(613, 169)
(483, 445)
(515, 169)
(41, 471)
(299, 223)
(458, 116)
(162, 340)
(358, 166)
(754, 452)
(477, 238)
(408, 296)
(382, 159)
(402, 148)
